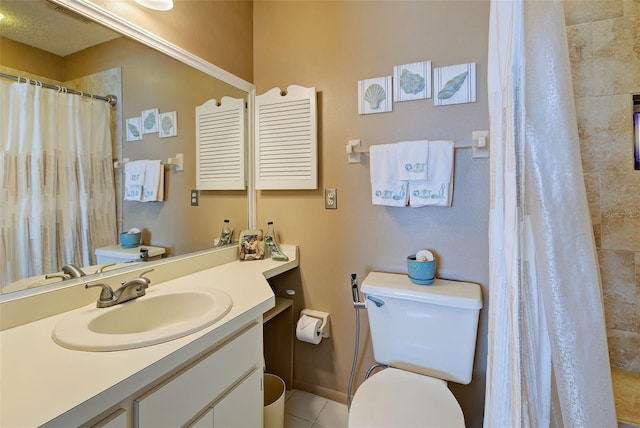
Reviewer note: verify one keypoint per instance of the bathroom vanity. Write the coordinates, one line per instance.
(212, 377)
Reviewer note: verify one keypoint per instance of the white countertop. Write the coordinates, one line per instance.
(40, 380)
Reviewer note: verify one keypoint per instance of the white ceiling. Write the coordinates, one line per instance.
(36, 23)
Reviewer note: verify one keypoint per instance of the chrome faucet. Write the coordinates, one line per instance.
(72, 270)
(128, 290)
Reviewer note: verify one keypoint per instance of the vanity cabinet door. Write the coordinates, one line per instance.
(238, 409)
(189, 392)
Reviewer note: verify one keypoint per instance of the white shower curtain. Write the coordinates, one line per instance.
(56, 180)
(548, 362)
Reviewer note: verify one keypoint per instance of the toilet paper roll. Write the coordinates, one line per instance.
(308, 329)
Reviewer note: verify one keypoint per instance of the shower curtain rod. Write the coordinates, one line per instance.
(111, 99)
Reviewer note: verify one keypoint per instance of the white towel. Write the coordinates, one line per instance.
(438, 189)
(153, 190)
(386, 189)
(132, 193)
(412, 160)
(134, 172)
(133, 180)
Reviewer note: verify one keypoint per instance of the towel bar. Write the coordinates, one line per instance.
(177, 162)
(479, 144)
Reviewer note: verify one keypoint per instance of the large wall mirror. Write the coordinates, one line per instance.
(145, 72)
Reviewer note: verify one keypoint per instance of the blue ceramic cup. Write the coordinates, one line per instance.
(421, 273)
(130, 240)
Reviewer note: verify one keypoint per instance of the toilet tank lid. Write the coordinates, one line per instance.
(128, 253)
(442, 292)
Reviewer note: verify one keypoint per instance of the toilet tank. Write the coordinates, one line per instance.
(424, 329)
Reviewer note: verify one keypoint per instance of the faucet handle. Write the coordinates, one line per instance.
(105, 295)
(56, 275)
(146, 272)
(102, 268)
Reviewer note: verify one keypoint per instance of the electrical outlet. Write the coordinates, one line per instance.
(330, 199)
(194, 198)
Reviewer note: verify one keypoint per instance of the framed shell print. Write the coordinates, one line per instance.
(412, 81)
(375, 95)
(455, 84)
(168, 124)
(150, 121)
(134, 129)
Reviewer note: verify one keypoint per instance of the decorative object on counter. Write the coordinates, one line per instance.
(374, 95)
(168, 124)
(130, 239)
(455, 84)
(150, 121)
(225, 234)
(271, 245)
(422, 267)
(412, 81)
(251, 245)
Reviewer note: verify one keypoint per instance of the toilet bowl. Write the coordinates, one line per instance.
(398, 398)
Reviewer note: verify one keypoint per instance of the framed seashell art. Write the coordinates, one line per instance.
(455, 84)
(134, 128)
(150, 121)
(412, 81)
(168, 124)
(375, 95)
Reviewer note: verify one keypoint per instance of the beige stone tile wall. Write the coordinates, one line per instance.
(604, 48)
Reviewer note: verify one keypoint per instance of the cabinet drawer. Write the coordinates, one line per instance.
(183, 396)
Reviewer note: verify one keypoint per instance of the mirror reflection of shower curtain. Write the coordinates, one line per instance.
(547, 362)
(56, 180)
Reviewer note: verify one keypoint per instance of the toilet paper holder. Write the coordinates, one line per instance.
(324, 316)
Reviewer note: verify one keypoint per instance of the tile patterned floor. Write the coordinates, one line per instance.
(305, 410)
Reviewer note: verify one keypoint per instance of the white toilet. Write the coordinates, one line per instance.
(427, 335)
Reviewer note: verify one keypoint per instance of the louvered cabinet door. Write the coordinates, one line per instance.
(286, 139)
(220, 141)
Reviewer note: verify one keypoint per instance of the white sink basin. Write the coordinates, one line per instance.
(157, 317)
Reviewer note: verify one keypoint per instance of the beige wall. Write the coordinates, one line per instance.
(35, 61)
(603, 42)
(218, 31)
(331, 45)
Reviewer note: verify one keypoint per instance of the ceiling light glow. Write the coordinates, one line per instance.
(162, 5)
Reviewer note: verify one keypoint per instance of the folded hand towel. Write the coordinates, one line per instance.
(134, 172)
(153, 178)
(412, 160)
(132, 193)
(386, 189)
(438, 189)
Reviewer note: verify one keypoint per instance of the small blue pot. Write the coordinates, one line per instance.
(421, 273)
(130, 240)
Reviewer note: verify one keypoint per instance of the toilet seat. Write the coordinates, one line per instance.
(398, 398)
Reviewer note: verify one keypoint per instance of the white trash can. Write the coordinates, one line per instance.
(273, 412)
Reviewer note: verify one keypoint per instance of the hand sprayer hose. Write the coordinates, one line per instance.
(354, 292)
(355, 358)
